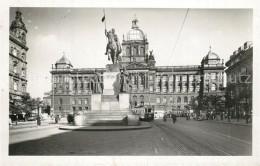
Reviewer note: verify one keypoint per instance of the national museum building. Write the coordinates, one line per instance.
(163, 87)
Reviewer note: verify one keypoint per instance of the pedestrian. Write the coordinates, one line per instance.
(164, 117)
(16, 119)
(56, 119)
(238, 116)
(10, 123)
(174, 118)
(38, 120)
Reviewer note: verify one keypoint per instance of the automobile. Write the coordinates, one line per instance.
(199, 118)
(32, 117)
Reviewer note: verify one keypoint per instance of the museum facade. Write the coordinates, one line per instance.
(163, 87)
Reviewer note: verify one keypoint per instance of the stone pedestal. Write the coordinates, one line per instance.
(95, 102)
(111, 83)
(124, 99)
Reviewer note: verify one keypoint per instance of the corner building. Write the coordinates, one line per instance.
(164, 87)
(17, 58)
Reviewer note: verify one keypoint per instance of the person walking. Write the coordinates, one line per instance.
(174, 118)
(238, 116)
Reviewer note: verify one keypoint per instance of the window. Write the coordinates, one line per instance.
(15, 85)
(178, 78)
(141, 50)
(142, 100)
(80, 108)
(185, 100)
(74, 109)
(184, 78)
(14, 52)
(171, 100)
(15, 69)
(179, 107)
(80, 101)
(191, 78)
(23, 72)
(157, 89)
(60, 100)
(60, 79)
(135, 100)
(59, 108)
(179, 100)
(73, 101)
(164, 100)
(55, 79)
(128, 51)
(150, 77)
(171, 78)
(151, 88)
(86, 101)
(213, 76)
(86, 108)
(213, 87)
(23, 88)
(158, 100)
(135, 51)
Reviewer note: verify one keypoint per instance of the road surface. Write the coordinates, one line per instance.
(184, 138)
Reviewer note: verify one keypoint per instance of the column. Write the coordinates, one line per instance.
(161, 83)
(188, 83)
(176, 83)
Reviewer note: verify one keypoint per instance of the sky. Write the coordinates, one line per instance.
(79, 33)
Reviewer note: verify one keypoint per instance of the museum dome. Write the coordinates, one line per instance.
(135, 33)
(63, 60)
(211, 55)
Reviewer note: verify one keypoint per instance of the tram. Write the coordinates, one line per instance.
(146, 113)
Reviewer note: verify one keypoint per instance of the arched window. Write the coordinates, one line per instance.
(171, 100)
(164, 100)
(73, 101)
(185, 99)
(142, 100)
(135, 51)
(158, 100)
(192, 97)
(86, 101)
(179, 100)
(135, 100)
(141, 50)
(80, 102)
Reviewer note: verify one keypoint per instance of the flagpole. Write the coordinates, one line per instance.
(105, 18)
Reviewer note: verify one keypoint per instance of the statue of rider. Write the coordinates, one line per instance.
(112, 37)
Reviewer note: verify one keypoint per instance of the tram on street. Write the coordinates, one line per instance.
(146, 113)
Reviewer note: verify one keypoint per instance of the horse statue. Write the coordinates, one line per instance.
(113, 48)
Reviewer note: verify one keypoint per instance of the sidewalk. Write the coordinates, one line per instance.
(31, 125)
(232, 121)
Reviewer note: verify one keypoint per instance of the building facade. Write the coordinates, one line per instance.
(240, 79)
(17, 58)
(164, 87)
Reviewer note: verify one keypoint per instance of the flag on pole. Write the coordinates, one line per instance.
(103, 19)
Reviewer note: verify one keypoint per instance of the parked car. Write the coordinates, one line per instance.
(32, 117)
(199, 118)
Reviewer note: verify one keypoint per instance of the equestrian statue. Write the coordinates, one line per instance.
(113, 48)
